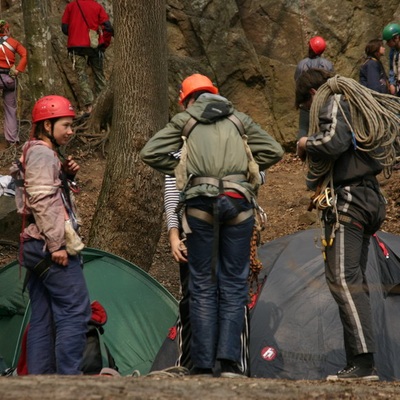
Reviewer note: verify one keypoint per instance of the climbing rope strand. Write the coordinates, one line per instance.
(255, 263)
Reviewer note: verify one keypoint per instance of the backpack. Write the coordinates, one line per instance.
(97, 358)
(97, 355)
(181, 175)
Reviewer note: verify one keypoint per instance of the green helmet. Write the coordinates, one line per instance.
(390, 30)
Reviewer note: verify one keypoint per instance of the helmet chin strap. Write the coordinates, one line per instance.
(51, 137)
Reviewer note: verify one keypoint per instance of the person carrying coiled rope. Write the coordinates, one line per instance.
(218, 175)
(350, 141)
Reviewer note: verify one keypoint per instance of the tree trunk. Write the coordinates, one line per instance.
(127, 221)
(37, 32)
(101, 116)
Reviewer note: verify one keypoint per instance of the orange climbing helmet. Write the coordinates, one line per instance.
(52, 106)
(317, 45)
(194, 83)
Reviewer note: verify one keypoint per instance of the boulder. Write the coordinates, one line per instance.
(10, 220)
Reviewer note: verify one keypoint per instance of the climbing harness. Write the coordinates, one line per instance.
(324, 202)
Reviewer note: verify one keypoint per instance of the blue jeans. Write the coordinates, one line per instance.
(217, 306)
(60, 312)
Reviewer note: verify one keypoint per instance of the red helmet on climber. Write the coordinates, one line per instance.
(317, 45)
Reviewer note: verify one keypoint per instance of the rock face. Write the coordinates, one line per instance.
(249, 48)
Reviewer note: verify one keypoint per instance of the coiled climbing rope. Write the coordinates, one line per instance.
(375, 121)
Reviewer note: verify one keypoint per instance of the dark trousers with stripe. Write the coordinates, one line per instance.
(345, 268)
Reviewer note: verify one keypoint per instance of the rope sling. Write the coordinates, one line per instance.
(375, 129)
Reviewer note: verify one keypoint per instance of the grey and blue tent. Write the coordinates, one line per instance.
(295, 330)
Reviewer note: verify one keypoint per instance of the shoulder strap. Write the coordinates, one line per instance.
(3, 41)
(8, 45)
(192, 122)
(238, 123)
(83, 15)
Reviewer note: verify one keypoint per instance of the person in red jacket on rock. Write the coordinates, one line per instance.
(9, 47)
(79, 17)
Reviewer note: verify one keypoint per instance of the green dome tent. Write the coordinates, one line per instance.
(140, 310)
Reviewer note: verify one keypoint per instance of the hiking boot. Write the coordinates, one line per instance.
(353, 373)
(201, 371)
(229, 369)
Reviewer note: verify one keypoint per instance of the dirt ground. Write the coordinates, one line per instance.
(285, 200)
(188, 388)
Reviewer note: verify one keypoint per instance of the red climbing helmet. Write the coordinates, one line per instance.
(317, 44)
(194, 83)
(52, 106)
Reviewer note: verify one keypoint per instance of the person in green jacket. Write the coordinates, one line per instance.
(222, 151)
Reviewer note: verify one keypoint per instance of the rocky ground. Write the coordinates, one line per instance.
(188, 388)
(285, 200)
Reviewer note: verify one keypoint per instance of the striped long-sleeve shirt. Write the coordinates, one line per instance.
(171, 200)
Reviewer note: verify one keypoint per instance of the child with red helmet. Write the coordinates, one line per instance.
(50, 244)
